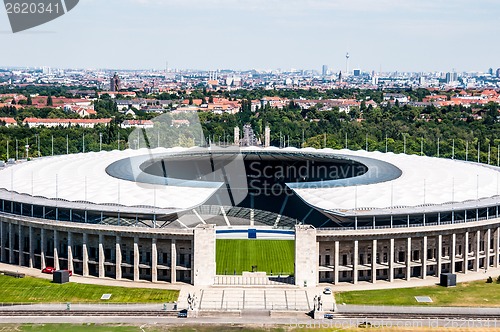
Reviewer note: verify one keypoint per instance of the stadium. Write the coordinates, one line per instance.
(191, 214)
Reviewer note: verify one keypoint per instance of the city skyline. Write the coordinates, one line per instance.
(302, 71)
(219, 34)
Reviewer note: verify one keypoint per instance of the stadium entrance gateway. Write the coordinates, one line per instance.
(226, 256)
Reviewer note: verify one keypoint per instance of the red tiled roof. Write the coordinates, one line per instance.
(8, 120)
(139, 122)
(75, 121)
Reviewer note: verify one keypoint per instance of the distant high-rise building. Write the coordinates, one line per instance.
(267, 137)
(114, 84)
(347, 56)
(498, 73)
(451, 77)
(324, 70)
(213, 76)
(490, 71)
(357, 72)
(422, 81)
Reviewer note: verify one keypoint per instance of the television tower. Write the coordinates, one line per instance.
(347, 56)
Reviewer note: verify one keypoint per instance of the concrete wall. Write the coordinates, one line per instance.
(306, 256)
(204, 268)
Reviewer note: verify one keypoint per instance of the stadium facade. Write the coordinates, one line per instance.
(156, 214)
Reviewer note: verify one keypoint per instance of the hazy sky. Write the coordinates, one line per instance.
(404, 35)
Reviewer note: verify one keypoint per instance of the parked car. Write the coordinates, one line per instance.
(327, 291)
(328, 316)
(182, 314)
(49, 270)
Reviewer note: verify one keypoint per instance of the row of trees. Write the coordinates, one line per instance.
(45, 141)
(394, 128)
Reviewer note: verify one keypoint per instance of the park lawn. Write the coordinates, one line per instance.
(75, 328)
(41, 290)
(469, 294)
(270, 256)
(209, 328)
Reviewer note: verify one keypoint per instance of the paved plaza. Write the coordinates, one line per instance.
(253, 299)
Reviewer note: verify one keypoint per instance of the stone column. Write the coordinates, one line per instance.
(476, 251)
(21, 244)
(391, 260)
(102, 258)
(70, 252)
(173, 262)
(136, 258)
(424, 257)
(85, 254)
(31, 240)
(466, 252)
(453, 253)
(204, 269)
(56, 252)
(408, 259)
(374, 261)
(118, 259)
(43, 248)
(496, 243)
(487, 254)
(2, 243)
(154, 260)
(318, 263)
(336, 260)
(192, 264)
(11, 244)
(439, 252)
(355, 263)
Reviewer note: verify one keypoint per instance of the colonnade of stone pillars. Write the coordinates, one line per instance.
(143, 256)
(409, 257)
(27, 245)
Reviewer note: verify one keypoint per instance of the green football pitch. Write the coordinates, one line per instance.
(271, 256)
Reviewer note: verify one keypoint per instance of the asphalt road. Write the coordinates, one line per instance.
(263, 321)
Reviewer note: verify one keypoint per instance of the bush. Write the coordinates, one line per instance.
(498, 280)
(490, 280)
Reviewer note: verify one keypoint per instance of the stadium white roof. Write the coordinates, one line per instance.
(83, 177)
(424, 181)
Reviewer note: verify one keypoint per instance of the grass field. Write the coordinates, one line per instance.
(471, 294)
(42, 290)
(276, 256)
(209, 328)
(73, 328)
(129, 328)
